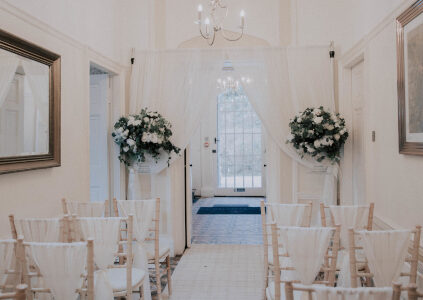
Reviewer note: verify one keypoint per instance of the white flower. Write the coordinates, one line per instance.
(317, 144)
(311, 132)
(317, 112)
(131, 120)
(145, 137)
(154, 138)
(337, 137)
(126, 149)
(343, 130)
(119, 130)
(137, 122)
(317, 120)
(290, 137)
(162, 129)
(135, 149)
(125, 133)
(146, 119)
(329, 126)
(310, 149)
(299, 120)
(130, 142)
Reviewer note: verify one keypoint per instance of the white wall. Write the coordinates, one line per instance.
(393, 181)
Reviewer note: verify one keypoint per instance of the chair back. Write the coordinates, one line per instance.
(324, 293)
(43, 230)
(10, 270)
(86, 209)
(18, 294)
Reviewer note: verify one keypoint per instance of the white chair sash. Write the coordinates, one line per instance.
(386, 252)
(143, 211)
(355, 217)
(7, 258)
(330, 293)
(61, 266)
(306, 248)
(105, 232)
(86, 210)
(40, 230)
(288, 214)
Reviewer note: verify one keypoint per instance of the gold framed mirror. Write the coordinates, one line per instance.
(29, 106)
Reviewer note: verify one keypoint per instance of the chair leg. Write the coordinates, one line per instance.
(158, 281)
(169, 275)
(141, 292)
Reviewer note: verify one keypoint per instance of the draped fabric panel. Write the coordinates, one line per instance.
(8, 62)
(306, 248)
(330, 293)
(282, 81)
(7, 259)
(386, 252)
(288, 214)
(105, 232)
(86, 210)
(40, 230)
(61, 265)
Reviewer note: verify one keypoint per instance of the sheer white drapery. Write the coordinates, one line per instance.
(7, 258)
(86, 210)
(385, 252)
(105, 232)
(8, 62)
(330, 293)
(288, 214)
(40, 230)
(282, 81)
(143, 211)
(61, 266)
(306, 248)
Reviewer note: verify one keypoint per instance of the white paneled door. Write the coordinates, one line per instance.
(99, 170)
(358, 134)
(239, 147)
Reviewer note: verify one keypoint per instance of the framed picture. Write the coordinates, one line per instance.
(410, 79)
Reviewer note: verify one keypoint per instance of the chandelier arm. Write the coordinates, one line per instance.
(212, 39)
(232, 39)
(205, 36)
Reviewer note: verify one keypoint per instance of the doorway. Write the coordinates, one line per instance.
(100, 109)
(239, 147)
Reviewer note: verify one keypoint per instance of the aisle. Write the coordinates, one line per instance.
(219, 272)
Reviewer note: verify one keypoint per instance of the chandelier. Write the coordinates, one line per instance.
(213, 23)
(228, 84)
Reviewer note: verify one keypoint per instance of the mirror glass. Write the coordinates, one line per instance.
(24, 106)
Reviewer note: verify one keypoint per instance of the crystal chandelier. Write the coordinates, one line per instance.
(213, 23)
(228, 84)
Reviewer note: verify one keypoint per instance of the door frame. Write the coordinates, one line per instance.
(117, 107)
(346, 65)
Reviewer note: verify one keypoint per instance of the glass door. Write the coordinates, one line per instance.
(239, 147)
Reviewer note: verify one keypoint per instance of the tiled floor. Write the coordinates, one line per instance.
(226, 229)
(219, 272)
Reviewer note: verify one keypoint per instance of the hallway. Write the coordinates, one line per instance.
(219, 272)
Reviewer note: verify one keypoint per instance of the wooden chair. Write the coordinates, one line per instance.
(355, 270)
(290, 288)
(132, 278)
(18, 294)
(323, 216)
(329, 270)
(413, 294)
(86, 209)
(157, 252)
(10, 269)
(265, 224)
(87, 289)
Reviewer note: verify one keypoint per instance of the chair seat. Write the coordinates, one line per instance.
(164, 247)
(298, 295)
(117, 278)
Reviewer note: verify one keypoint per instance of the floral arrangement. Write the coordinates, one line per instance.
(318, 133)
(144, 133)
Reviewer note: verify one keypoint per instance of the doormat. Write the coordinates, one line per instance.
(234, 210)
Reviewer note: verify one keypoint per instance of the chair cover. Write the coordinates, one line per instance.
(102, 288)
(83, 209)
(386, 252)
(143, 211)
(330, 293)
(306, 247)
(289, 214)
(105, 232)
(7, 259)
(40, 230)
(61, 266)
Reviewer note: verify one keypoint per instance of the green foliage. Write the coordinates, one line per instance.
(318, 133)
(145, 133)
